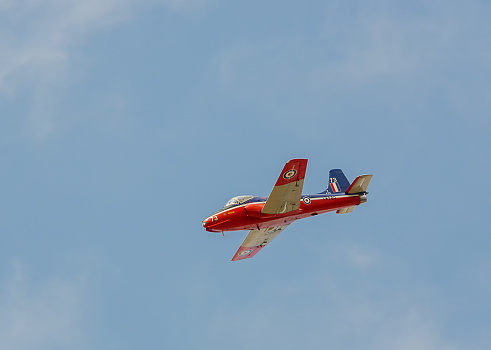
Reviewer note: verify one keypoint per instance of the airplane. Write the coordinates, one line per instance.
(267, 217)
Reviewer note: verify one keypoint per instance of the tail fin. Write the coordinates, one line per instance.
(337, 181)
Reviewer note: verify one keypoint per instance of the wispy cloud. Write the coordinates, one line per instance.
(360, 258)
(325, 314)
(391, 41)
(415, 329)
(37, 42)
(37, 36)
(41, 316)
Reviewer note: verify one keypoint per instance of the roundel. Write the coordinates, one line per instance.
(289, 174)
(245, 252)
(306, 200)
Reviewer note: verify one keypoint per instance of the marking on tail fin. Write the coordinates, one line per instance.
(334, 184)
(337, 181)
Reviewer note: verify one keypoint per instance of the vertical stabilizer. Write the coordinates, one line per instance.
(337, 181)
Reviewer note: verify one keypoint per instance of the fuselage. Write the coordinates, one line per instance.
(247, 215)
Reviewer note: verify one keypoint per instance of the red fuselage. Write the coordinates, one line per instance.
(249, 217)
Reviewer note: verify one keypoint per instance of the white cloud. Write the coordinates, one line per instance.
(43, 316)
(414, 330)
(361, 258)
(326, 315)
(381, 40)
(37, 38)
(184, 5)
(227, 69)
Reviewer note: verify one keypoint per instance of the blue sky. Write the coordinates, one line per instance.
(123, 124)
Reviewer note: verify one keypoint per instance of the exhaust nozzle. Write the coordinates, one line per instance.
(363, 198)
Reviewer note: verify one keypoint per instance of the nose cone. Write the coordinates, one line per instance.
(206, 222)
(211, 224)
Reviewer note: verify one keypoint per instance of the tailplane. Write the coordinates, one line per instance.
(360, 185)
(338, 183)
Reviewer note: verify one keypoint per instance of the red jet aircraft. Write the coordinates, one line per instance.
(267, 217)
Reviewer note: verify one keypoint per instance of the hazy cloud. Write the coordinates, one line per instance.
(387, 41)
(361, 258)
(40, 316)
(327, 315)
(37, 41)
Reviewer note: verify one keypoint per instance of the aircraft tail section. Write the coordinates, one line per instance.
(337, 181)
(360, 185)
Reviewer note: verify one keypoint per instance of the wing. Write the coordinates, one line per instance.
(255, 241)
(287, 191)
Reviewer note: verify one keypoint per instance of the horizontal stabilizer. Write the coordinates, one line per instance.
(360, 185)
(345, 210)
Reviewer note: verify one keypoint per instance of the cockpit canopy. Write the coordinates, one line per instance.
(236, 201)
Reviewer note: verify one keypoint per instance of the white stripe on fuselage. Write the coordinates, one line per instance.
(311, 198)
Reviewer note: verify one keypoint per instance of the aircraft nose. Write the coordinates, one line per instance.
(206, 222)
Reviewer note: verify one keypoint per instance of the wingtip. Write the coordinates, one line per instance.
(246, 252)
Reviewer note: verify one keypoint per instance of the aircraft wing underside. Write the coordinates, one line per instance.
(256, 240)
(286, 194)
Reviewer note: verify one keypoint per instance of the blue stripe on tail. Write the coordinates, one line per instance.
(338, 183)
